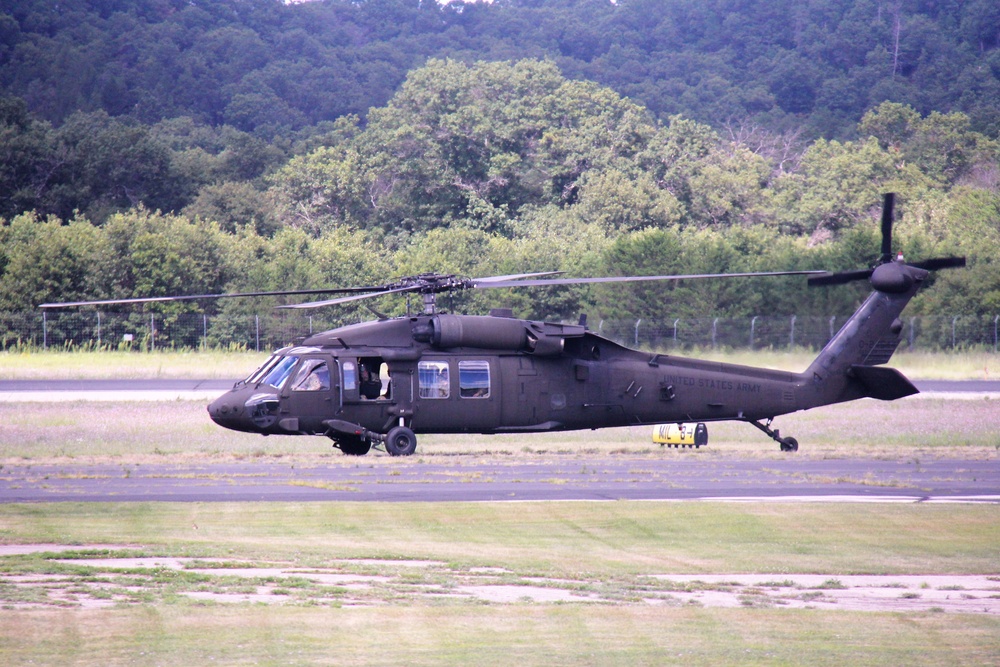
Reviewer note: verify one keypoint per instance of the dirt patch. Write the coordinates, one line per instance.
(977, 594)
(91, 582)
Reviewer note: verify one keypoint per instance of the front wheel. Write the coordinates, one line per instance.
(400, 441)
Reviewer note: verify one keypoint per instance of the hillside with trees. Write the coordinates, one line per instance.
(157, 147)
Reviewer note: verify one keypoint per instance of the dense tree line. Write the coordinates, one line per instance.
(499, 168)
(160, 146)
(266, 67)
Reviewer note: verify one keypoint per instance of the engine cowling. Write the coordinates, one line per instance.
(495, 333)
(488, 333)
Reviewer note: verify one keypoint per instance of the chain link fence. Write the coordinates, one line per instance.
(264, 332)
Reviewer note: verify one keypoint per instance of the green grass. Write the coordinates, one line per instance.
(551, 539)
(519, 635)
(601, 546)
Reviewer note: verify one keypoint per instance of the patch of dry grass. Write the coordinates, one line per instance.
(96, 431)
(63, 365)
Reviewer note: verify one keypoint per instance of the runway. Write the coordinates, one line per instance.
(548, 478)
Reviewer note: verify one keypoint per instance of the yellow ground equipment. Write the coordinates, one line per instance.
(681, 435)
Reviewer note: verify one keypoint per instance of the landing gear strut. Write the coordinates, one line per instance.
(787, 444)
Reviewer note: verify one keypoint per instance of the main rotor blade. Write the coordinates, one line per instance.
(196, 297)
(888, 204)
(840, 278)
(348, 299)
(515, 276)
(635, 279)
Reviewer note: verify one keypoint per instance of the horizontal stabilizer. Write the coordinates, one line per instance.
(885, 384)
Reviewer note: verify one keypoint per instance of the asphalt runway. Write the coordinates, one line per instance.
(600, 478)
(379, 478)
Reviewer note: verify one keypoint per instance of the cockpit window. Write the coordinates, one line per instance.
(279, 373)
(256, 376)
(313, 375)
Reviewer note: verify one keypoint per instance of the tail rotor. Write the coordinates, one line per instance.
(933, 264)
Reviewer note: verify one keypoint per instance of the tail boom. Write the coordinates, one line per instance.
(847, 368)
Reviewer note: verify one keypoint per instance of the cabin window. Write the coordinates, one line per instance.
(313, 375)
(280, 372)
(474, 379)
(434, 379)
(350, 375)
(375, 381)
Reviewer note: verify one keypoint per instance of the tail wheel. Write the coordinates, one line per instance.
(401, 441)
(789, 445)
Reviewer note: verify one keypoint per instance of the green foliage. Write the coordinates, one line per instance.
(492, 168)
(44, 260)
(152, 254)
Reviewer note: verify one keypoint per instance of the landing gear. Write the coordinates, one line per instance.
(353, 446)
(356, 440)
(400, 441)
(787, 444)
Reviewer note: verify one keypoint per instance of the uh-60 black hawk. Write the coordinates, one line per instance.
(383, 382)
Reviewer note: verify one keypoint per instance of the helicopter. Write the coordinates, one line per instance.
(382, 382)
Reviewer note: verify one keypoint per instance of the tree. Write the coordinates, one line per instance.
(156, 254)
(44, 260)
(25, 150)
(100, 165)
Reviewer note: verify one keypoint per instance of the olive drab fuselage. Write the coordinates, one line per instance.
(491, 375)
(441, 373)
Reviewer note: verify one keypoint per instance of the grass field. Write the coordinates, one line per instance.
(416, 615)
(415, 561)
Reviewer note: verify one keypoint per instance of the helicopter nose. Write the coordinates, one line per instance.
(228, 411)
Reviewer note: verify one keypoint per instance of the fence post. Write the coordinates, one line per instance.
(637, 332)
(832, 322)
(791, 335)
(256, 319)
(954, 323)
(204, 331)
(98, 329)
(45, 330)
(753, 324)
(715, 326)
(995, 320)
(675, 331)
(152, 332)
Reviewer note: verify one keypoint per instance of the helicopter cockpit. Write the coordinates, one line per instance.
(301, 381)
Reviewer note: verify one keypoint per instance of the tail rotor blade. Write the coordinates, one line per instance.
(937, 263)
(888, 204)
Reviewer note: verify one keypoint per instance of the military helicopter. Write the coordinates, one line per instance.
(382, 382)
